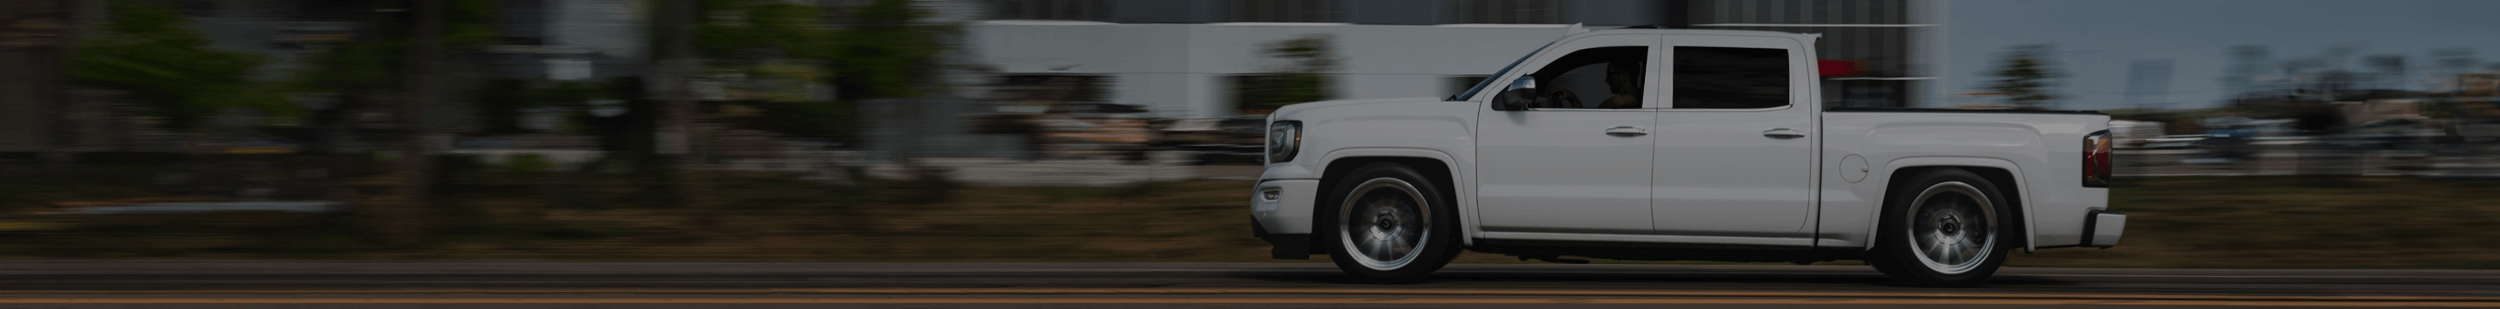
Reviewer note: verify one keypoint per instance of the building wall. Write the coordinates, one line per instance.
(1180, 70)
(1175, 56)
(1890, 40)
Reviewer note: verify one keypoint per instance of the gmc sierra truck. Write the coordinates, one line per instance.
(1650, 144)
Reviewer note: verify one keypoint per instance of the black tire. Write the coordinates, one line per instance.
(1935, 257)
(1391, 206)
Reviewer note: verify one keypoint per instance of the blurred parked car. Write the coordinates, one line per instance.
(1214, 138)
(2135, 134)
(1242, 132)
(2479, 130)
(2174, 141)
(2393, 134)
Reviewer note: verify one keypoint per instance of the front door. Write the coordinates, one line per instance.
(1579, 163)
(1735, 148)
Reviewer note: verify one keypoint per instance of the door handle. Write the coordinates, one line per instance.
(1626, 131)
(1784, 133)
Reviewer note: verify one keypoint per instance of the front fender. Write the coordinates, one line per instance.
(1462, 182)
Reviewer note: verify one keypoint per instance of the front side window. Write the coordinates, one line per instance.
(1730, 77)
(1604, 77)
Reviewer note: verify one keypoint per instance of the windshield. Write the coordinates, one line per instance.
(1488, 80)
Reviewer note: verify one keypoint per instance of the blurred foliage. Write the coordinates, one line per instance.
(528, 163)
(353, 67)
(152, 54)
(375, 63)
(2441, 108)
(872, 50)
(2024, 77)
(501, 104)
(1304, 78)
(101, 182)
(827, 120)
(469, 25)
(922, 185)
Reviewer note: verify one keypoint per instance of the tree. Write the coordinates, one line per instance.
(170, 70)
(371, 69)
(879, 49)
(1303, 78)
(2025, 77)
(874, 50)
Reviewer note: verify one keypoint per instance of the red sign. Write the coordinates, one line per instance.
(1837, 67)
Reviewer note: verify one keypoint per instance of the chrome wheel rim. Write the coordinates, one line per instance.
(1383, 224)
(1952, 228)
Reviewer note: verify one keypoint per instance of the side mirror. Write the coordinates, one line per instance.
(1521, 94)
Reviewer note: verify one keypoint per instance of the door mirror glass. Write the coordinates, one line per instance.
(1521, 94)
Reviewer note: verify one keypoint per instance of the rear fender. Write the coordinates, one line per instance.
(2022, 190)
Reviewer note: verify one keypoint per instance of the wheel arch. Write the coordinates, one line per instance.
(1443, 170)
(2003, 174)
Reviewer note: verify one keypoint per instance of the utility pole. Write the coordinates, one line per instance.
(34, 43)
(673, 79)
(403, 219)
(678, 128)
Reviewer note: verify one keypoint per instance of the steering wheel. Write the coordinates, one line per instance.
(1562, 98)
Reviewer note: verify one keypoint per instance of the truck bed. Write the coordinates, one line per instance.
(2043, 147)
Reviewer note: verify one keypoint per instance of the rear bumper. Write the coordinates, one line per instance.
(2102, 228)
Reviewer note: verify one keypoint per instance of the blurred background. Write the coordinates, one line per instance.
(2252, 133)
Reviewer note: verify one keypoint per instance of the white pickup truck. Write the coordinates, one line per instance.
(1645, 144)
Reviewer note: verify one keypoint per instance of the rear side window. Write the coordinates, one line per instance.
(1730, 78)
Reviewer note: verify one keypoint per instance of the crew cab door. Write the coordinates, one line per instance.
(1735, 150)
(1572, 167)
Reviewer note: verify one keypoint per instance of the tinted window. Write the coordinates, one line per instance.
(1604, 77)
(1730, 78)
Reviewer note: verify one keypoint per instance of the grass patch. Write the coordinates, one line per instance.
(2273, 222)
(2374, 222)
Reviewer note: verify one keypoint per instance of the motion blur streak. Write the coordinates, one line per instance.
(1220, 301)
(2271, 152)
(1014, 291)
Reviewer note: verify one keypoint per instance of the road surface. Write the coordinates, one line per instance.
(278, 284)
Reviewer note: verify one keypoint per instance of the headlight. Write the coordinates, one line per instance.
(1284, 139)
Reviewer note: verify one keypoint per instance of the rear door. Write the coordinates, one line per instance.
(1735, 145)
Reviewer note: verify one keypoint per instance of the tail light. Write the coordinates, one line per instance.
(2096, 155)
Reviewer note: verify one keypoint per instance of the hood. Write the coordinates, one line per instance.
(1289, 111)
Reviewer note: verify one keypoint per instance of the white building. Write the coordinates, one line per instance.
(1182, 58)
(1182, 70)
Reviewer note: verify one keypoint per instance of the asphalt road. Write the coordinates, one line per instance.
(226, 284)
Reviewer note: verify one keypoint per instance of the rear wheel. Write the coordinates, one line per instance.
(1944, 227)
(1387, 223)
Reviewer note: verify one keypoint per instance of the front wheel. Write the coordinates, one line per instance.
(1388, 224)
(1944, 227)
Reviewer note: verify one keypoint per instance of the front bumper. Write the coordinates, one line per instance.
(1280, 213)
(2102, 228)
(1289, 212)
